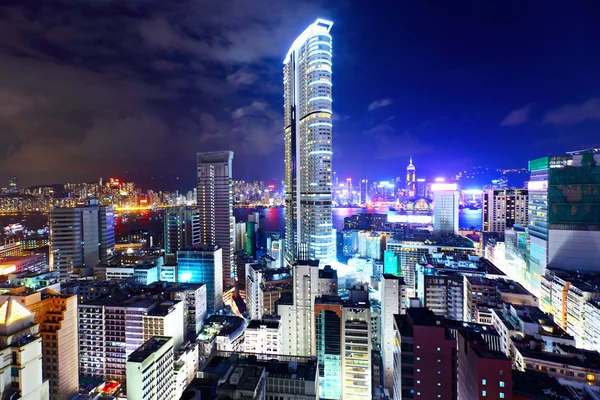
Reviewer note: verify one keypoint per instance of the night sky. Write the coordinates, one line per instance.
(134, 88)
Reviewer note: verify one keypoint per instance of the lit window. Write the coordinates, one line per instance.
(501, 383)
(483, 393)
(439, 349)
(418, 382)
(483, 382)
(501, 395)
(418, 358)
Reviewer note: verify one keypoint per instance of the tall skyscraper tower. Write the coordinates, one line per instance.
(308, 149)
(214, 198)
(411, 176)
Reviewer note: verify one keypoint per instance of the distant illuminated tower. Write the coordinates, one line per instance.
(308, 149)
(13, 185)
(411, 176)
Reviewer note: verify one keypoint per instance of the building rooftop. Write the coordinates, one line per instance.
(199, 248)
(431, 239)
(537, 385)
(328, 273)
(582, 359)
(586, 281)
(221, 325)
(328, 300)
(148, 348)
(284, 367)
(472, 264)
(241, 377)
(268, 323)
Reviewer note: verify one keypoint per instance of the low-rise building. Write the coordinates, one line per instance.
(263, 336)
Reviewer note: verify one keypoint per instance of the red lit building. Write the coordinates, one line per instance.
(482, 373)
(424, 357)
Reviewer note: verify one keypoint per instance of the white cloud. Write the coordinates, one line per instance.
(380, 104)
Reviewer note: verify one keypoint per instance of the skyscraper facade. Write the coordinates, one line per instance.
(445, 207)
(564, 210)
(182, 228)
(202, 264)
(503, 208)
(81, 237)
(308, 149)
(214, 198)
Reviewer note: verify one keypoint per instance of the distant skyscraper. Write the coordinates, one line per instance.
(81, 237)
(503, 208)
(214, 198)
(411, 177)
(182, 228)
(445, 207)
(363, 189)
(308, 148)
(13, 184)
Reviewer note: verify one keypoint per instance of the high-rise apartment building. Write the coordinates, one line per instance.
(297, 315)
(182, 229)
(81, 237)
(424, 357)
(110, 329)
(357, 345)
(308, 145)
(504, 208)
(393, 301)
(202, 264)
(564, 213)
(56, 315)
(193, 297)
(151, 370)
(21, 374)
(445, 207)
(328, 342)
(214, 199)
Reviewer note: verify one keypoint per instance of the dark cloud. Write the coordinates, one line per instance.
(391, 144)
(98, 87)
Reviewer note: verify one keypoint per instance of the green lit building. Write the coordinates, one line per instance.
(564, 213)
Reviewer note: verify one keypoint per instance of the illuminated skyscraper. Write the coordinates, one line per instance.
(411, 176)
(308, 149)
(13, 185)
(445, 207)
(214, 198)
(564, 213)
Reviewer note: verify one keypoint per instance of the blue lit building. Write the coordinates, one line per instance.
(203, 264)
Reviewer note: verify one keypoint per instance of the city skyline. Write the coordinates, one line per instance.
(210, 96)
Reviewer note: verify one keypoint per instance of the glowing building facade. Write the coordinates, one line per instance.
(308, 149)
(411, 177)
